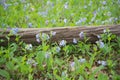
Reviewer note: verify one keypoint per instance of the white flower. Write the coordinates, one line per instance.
(66, 5)
(104, 63)
(53, 33)
(100, 43)
(65, 20)
(104, 2)
(14, 30)
(62, 43)
(58, 49)
(98, 36)
(74, 40)
(29, 25)
(32, 9)
(99, 62)
(47, 55)
(82, 60)
(28, 47)
(38, 38)
(81, 35)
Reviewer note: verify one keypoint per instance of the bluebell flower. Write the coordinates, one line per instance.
(81, 20)
(14, 31)
(82, 60)
(30, 25)
(74, 40)
(104, 2)
(38, 38)
(98, 36)
(53, 33)
(65, 20)
(104, 63)
(62, 43)
(47, 55)
(58, 49)
(81, 35)
(100, 43)
(66, 5)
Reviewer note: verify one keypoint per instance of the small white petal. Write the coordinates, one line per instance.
(74, 40)
(81, 35)
(53, 33)
(58, 49)
(62, 43)
(82, 60)
(65, 20)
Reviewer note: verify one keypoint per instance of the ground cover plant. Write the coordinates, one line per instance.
(80, 60)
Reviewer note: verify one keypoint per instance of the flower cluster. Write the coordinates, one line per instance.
(31, 62)
(14, 31)
(104, 63)
(38, 38)
(62, 43)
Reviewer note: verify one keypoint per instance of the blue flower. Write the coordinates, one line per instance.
(38, 38)
(53, 33)
(62, 43)
(14, 31)
(58, 49)
(47, 55)
(104, 63)
(30, 25)
(100, 43)
(65, 20)
(81, 35)
(82, 60)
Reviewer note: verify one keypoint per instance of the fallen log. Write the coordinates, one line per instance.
(28, 35)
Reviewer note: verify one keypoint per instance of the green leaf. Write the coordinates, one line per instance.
(81, 77)
(102, 77)
(10, 65)
(4, 73)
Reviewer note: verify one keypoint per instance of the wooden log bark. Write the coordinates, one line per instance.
(28, 35)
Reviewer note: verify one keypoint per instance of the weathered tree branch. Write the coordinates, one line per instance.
(28, 35)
